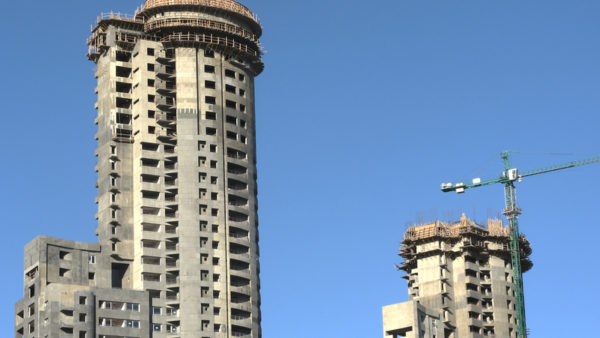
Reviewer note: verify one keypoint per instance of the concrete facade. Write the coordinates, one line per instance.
(177, 208)
(460, 282)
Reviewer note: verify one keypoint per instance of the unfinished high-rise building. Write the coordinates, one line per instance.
(460, 282)
(177, 252)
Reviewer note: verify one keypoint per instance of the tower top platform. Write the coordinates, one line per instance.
(227, 5)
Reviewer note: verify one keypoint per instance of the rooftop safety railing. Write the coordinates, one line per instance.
(211, 39)
(204, 23)
(228, 5)
(116, 16)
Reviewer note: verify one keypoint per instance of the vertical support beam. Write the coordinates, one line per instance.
(192, 314)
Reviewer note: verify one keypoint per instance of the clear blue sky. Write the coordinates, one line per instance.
(364, 108)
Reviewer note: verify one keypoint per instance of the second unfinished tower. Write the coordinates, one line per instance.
(460, 282)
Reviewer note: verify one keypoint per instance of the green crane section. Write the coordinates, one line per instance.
(512, 212)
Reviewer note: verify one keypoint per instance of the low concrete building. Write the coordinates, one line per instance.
(408, 318)
(459, 280)
(65, 295)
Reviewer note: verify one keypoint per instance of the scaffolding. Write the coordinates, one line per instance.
(459, 229)
(468, 233)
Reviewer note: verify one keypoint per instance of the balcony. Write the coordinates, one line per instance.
(166, 119)
(170, 246)
(487, 307)
(237, 281)
(242, 316)
(241, 273)
(123, 126)
(236, 154)
(172, 264)
(236, 185)
(122, 135)
(235, 216)
(241, 234)
(241, 331)
(247, 289)
(123, 103)
(170, 312)
(240, 299)
(150, 182)
(171, 168)
(166, 87)
(171, 182)
(237, 201)
(473, 294)
(165, 102)
(472, 280)
(472, 266)
(170, 280)
(171, 229)
(150, 277)
(475, 322)
(165, 71)
(123, 99)
(151, 269)
(238, 233)
(487, 295)
(473, 307)
(166, 134)
(236, 169)
(152, 218)
(172, 297)
(171, 201)
(125, 39)
(167, 59)
(239, 266)
(169, 150)
(239, 250)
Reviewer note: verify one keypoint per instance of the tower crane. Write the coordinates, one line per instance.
(512, 212)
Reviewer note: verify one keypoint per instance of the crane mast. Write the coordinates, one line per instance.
(512, 212)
